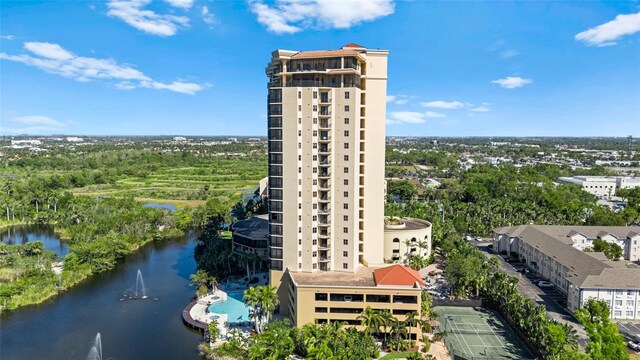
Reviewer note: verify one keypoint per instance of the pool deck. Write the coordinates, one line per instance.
(196, 316)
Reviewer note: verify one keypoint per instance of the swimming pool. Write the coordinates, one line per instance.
(233, 307)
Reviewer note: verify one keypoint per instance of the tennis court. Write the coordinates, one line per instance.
(478, 333)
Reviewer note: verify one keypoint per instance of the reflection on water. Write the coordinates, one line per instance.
(20, 235)
(169, 207)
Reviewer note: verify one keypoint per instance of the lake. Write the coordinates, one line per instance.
(64, 327)
(20, 235)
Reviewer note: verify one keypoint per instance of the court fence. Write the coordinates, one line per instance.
(460, 355)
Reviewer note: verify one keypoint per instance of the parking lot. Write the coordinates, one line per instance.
(630, 330)
(553, 299)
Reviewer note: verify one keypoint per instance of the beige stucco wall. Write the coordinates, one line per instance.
(392, 233)
(304, 298)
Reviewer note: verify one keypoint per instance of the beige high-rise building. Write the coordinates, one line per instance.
(326, 113)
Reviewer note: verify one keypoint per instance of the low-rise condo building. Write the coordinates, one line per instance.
(336, 296)
(557, 254)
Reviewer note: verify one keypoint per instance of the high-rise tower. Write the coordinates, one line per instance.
(326, 119)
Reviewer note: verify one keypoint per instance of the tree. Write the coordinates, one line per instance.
(606, 342)
(611, 251)
(263, 301)
(239, 211)
(385, 319)
(411, 321)
(214, 331)
(370, 319)
(403, 189)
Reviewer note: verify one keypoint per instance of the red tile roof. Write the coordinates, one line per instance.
(352, 45)
(397, 275)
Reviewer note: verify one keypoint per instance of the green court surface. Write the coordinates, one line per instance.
(478, 333)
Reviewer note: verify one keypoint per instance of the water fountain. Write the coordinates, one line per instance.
(137, 291)
(96, 350)
(140, 289)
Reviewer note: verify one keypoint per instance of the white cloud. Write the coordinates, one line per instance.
(48, 50)
(291, 16)
(398, 99)
(54, 59)
(183, 4)
(7, 37)
(441, 104)
(433, 114)
(507, 54)
(482, 108)
(39, 120)
(132, 13)
(208, 17)
(606, 34)
(35, 124)
(511, 82)
(408, 117)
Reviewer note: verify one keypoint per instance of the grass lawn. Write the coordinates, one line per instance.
(400, 355)
(635, 356)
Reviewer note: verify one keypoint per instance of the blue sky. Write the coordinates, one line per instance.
(196, 67)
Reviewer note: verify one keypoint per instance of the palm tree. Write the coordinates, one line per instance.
(370, 320)
(263, 300)
(385, 321)
(251, 300)
(399, 331)
(411, 320)
(268, 300)
(571, 335)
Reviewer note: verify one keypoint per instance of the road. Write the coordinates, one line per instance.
(548, 297)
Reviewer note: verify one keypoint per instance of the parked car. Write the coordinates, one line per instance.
(478, 238)
(544, 284)
(634, 345)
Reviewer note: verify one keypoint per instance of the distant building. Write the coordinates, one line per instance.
(28, 143)
(179, 138)
(556, 253)
(74, 139)
(601, 185)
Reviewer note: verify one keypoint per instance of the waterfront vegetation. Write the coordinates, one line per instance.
(280, 340)
(93, 199)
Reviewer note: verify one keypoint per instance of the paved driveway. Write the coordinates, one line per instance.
(550, 297)
(630, 330)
